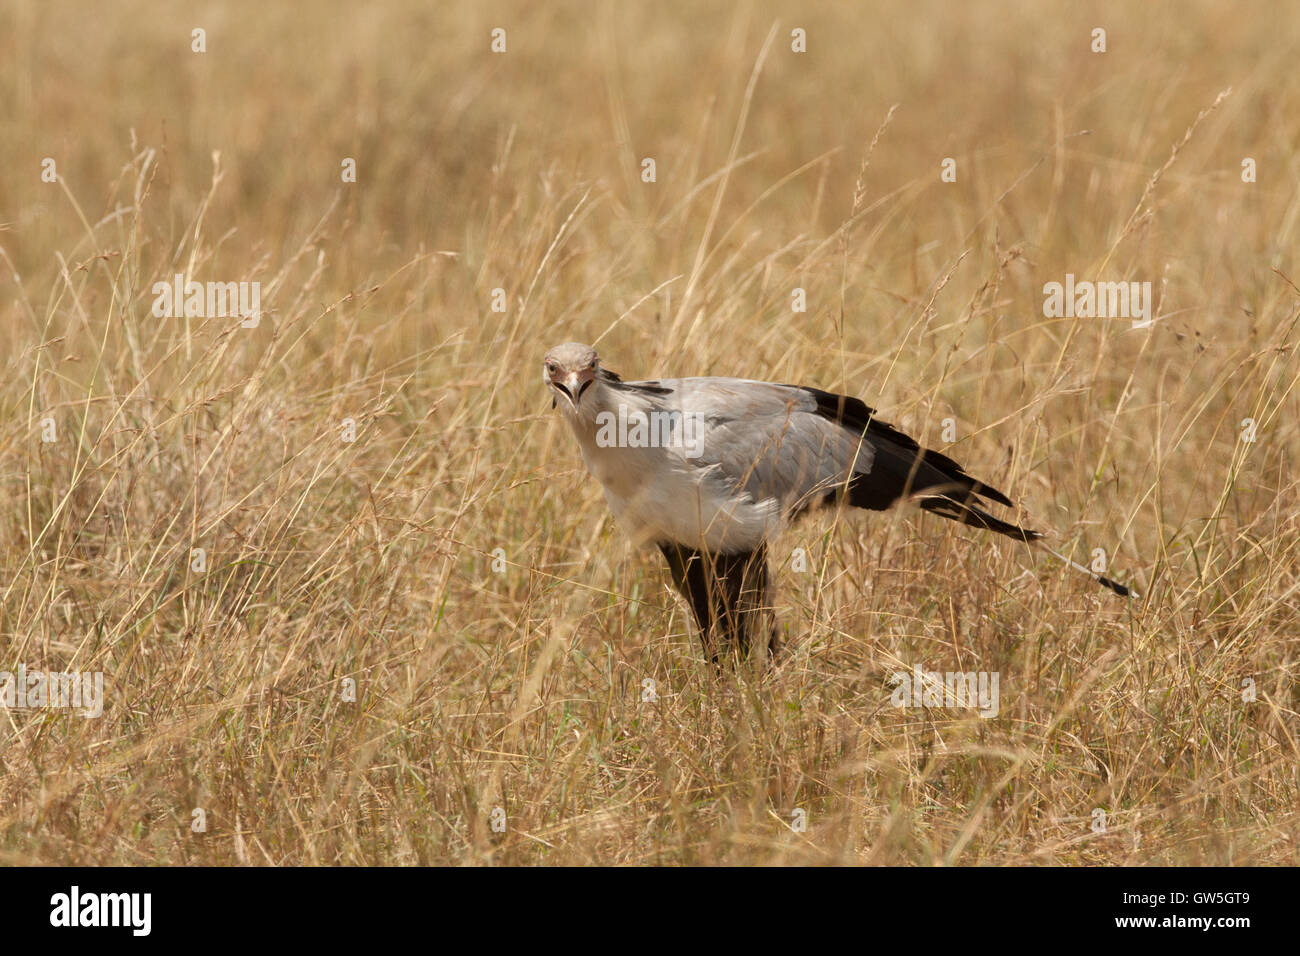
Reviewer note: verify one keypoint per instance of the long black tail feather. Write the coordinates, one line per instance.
(968, 514)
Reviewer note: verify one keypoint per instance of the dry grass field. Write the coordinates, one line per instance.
(183, 510)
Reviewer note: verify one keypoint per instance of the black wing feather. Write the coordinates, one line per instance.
(901, 465)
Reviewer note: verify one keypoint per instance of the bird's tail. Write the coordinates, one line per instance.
(1115, 586)
(968, 514)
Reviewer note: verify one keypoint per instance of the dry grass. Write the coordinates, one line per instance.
(372, 560)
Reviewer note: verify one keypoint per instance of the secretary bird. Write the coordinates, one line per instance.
(709, 469)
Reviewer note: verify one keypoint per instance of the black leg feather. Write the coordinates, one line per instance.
(728, 596)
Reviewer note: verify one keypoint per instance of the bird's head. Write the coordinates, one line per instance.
(568, 370)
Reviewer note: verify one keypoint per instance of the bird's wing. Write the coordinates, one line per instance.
(764, 439)
(799, 445)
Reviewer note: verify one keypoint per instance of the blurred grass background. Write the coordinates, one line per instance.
(373, 560)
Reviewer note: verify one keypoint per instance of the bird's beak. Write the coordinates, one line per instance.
(573, 385)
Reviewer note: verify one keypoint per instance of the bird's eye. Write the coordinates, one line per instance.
(550, 367)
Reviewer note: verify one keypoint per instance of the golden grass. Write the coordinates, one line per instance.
(373, 560)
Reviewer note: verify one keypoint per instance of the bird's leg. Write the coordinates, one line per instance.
(692, 577)
(740, 580)
(756, 607)
(728, 595)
